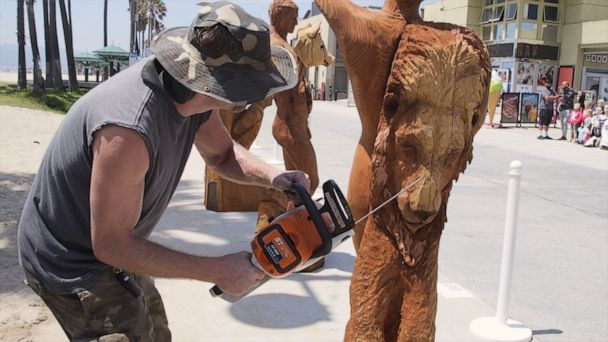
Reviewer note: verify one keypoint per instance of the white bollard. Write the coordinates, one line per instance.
(508, 245)
(500, 327)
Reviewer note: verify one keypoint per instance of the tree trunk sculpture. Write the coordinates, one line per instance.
(368, 41)
(431, 105)
(290, 127)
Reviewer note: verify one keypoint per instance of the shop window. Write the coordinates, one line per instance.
(500, 32)
(488, 2)
(550, 33)
(486, 33)
(498, 13)
(486, 15)
(531, 11)
(511, 12)
(527, 31)
(511, 31)
(500, 1)
(551, 14)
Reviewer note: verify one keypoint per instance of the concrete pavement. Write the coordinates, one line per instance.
(315, 306)
(561, 265)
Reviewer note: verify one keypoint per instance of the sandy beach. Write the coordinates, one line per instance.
(24, 135)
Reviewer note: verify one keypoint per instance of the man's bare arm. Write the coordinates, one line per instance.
(229, 159)
(120, 163)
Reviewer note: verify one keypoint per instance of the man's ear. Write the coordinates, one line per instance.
(175, 90)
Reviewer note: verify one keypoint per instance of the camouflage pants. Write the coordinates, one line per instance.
(108, 311)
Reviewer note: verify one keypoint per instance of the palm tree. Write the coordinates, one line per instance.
(69, 47)
(133, 46)
(54, 49)
(105, 23)
(150, 15)
(106, 69)
(47, 46)
(38, 85)
(21, 73)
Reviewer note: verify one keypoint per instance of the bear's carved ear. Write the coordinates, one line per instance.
(314, 31)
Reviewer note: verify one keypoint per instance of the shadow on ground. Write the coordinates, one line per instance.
(13, 191)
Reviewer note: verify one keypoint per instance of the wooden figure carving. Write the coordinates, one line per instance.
(222, 194)
(290, 127)
(430, 106)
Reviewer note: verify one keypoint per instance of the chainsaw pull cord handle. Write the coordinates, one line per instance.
(315, 216)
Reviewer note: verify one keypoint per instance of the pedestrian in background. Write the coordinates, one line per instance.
(547, 97)
(566, 104)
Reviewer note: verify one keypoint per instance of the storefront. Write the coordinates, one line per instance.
(595, 73)
(522, 66)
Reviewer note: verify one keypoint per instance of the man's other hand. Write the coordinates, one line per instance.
(236, 275)
(285, 180)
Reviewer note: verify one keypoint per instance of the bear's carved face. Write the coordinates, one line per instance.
(432, 110)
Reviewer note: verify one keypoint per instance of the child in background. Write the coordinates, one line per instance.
(604, 139)
(595, 128)
(584, 131)
(575, 120)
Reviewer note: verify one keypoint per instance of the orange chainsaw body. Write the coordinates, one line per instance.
(286, 243)
(301, 236)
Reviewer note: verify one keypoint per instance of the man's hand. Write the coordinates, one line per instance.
(235, 274)
(284, 181)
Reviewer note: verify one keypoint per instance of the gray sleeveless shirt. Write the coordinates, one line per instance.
(54, 236)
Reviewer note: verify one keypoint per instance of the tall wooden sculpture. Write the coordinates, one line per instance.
(421, 89)
(290, 127)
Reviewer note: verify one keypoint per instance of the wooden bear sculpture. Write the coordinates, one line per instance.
(420, 107)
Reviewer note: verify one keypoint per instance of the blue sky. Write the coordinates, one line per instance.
(88, 19)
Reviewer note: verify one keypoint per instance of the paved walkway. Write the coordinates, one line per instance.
(315, 307)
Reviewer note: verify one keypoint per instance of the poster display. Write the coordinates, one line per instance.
(505, 77)
(525, 74)
(510, 108)
(529, 108)
(547, 72)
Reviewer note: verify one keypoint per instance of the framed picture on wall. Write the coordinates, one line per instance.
(510, 108)
(528, 112)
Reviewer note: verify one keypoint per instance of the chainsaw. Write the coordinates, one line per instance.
(302, 236)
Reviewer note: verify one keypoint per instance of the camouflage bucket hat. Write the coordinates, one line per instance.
(254, 72)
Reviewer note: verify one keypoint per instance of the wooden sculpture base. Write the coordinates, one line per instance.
(223, 195)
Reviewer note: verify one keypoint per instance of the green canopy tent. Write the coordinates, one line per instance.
(113, 55)
(89, 60)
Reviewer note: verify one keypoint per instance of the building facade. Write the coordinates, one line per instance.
(563, 40)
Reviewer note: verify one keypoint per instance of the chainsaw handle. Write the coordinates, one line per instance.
(315, 216)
